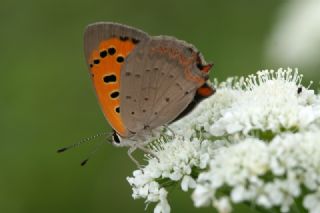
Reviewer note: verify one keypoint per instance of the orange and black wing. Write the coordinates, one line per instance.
(107, 46)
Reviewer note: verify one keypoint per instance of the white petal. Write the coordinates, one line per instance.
(187, 182)
(201, 196)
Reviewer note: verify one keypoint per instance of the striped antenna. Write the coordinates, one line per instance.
(84, 162)
(85, 140)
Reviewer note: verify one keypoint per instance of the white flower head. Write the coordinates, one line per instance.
(255, 141)
(174, 162)
(207, 112)
(272, 101)
(244, 166)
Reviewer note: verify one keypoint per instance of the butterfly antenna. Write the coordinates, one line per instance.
(84, 162)
(85, 140)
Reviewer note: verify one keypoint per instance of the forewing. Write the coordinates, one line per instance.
(106, 46)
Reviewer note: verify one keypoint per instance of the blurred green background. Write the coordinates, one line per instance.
(47, 100)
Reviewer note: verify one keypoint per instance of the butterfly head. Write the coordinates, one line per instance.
(116, 139)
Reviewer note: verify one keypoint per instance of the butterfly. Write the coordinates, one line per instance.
(143, 82)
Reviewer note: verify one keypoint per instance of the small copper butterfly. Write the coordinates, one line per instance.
(143, 82)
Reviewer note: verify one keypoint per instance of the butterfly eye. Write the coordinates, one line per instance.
(116, 138)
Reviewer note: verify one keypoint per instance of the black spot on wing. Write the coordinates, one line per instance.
(135, 41)
(111, 51)
(120, 59)
(115, 94)
(103, 53)
(124, 38)
(109, 78)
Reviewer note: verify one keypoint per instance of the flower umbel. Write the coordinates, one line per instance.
(254, 142)
(176, 161)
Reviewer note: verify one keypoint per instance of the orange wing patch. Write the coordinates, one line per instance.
(205, 91)
(105, 66)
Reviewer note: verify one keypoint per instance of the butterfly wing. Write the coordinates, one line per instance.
(158, 82)
(106, 46)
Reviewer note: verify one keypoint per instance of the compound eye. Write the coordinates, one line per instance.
(116, 138)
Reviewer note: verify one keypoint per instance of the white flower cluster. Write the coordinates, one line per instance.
(174, 162)
(271, 101)
(255, 141)
(271, 175)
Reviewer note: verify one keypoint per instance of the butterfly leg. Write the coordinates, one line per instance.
(130, 151)
(148, 151)
(170, 130)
